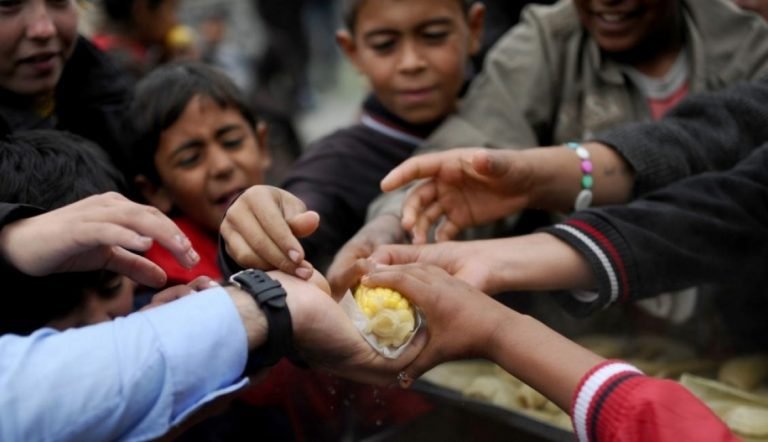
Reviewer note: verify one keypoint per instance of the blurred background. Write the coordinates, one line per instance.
(283, 54)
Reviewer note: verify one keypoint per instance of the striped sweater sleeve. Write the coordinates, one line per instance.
(616, 402)
(607, 253)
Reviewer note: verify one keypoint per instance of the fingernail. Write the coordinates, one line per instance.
(144, 241)
(214, 284)
(294, 255)
(304, 273)
(193, 256)
(183, 240)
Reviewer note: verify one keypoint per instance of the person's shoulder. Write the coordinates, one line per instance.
(733, 41)
(90, 72)
(722, 18)
(559, 20)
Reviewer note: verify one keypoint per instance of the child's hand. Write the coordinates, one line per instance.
(460, 319)
(98, 232)
(261, 228)
(179, 291)
(345, 270)
(468, 186)
(466, 260)
(326, 338)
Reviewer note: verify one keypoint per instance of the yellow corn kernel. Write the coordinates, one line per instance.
(390, 315)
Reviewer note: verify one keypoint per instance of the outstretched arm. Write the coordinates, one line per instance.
(607, 400)
(473, 186)
(98, 232)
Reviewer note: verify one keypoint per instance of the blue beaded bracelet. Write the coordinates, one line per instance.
(584, 198)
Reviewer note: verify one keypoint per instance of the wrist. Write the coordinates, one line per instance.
(270, 297)
(554, 180)
(254, 321)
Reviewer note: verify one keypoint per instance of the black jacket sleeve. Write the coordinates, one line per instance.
(711, 228)
(705, 132)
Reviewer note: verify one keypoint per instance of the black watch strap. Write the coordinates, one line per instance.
(271, 298)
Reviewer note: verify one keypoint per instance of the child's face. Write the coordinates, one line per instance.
(37, 38)
(205, 159)
(414, 53)
(112, 299)
(623, 25)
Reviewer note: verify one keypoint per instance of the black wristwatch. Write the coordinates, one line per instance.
(270, 297)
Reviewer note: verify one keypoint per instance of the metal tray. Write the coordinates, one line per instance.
(521, 421)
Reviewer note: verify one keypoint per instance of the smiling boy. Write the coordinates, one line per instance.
(415, 56)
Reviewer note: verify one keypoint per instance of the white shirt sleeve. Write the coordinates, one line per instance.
(129, 379)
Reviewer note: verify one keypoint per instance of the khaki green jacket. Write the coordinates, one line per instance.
(545, 81)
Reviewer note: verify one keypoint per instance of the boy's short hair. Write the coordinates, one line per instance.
(50, 169)
(160, 98)
(349, 9)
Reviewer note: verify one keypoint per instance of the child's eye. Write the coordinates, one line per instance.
(382, 43)
(233, 143)
(188, 159)
(435, 36)
(384, 46)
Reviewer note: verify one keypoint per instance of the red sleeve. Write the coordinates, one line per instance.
(616, 402)
(203, 243)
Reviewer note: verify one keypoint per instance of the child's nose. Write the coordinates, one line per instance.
(40, 25)
(220, 163)
(411, 59)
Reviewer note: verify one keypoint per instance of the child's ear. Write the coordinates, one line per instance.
(346, 42)
(262, 133)
(154, 194)
(476, 21)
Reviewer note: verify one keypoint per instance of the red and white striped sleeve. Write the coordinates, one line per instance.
(616, 402)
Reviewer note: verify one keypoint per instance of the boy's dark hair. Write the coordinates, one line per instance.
(121, 11)
(50, 169)
(349, 9)
(161, 97)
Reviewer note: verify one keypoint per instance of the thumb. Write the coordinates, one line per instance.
(304, 224)
(490, 163)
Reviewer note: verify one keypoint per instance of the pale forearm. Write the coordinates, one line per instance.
(537, 261)
(540, 357)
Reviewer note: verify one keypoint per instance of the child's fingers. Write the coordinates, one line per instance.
(345, 273)
(269, 222)
(152, 223)
(172, 294)
(243, 254)
(304, 224)
(419, 197)
(395, 254)
(447, 230)
(202, 283)
(429, 216)
(136, 268)
(422, 166)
